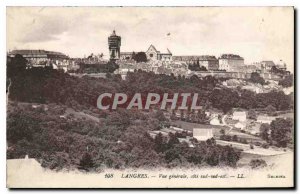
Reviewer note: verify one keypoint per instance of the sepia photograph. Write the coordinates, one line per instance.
(150, 97)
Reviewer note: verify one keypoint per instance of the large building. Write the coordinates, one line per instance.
(154, 55)
(267, 66)
(114, 44)
(38, 54)
(211, 63)
(230, 62)
(281, 65)
(42, 58)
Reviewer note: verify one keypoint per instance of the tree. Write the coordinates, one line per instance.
(281, 131)
(140, 57)
(211, 142)
(275, 70)
(133, 55)
(224, 99)
(110, 67)
(212, 157)
(264, 131)
(159, 143)
(194, 67)
(86, 162)
(235, 138)
(172, 154)
(172, 140)
(222, 132)
(202, 68)
(270, 109)
(159, 115)
(255, 78)
(194, 156)
(247, 99)
(257, 163)
(16, 65)
(200, 117)
(230, 156)
(252, 114)
(287, 81)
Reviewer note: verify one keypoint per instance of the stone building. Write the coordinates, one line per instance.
(266, 66)
(230, 62)
(154, 55)
(43, 58)
(211, 63)
(281, 65)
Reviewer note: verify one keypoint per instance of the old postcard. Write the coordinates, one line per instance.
(150, 97)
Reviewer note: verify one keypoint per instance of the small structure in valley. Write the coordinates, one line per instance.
(202, 134)
(239, 115)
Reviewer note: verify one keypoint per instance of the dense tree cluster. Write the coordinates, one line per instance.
(195, 66)
(119, 140)
(139, 57)
(278, 132)
(109, 67)
(255, 78)
(47, 85)
(287, 81)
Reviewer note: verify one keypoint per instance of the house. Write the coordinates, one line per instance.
(253, 128)
(215, 121)
(167, 130)
(281, 65)
(267, 65)
(153, 134)
(43, 58)
(186, 140)
(202, 134)
(177, 129)
(240, 125)
(25, 164)
(254, 88)
(265, 119)
(239, 115)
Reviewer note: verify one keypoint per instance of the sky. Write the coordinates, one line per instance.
(255, 33)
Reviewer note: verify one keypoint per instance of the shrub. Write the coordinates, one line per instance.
(257, 163)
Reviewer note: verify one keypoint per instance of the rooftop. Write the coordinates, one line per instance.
(195, 57)
(38, 53)
(239, 113)
(231, 56)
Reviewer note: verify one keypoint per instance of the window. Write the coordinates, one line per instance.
(151, 55)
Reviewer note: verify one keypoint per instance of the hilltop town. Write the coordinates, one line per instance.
(246, 117)
(229, 66)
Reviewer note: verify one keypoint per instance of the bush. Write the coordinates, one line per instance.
(257, 163)
(266, 146)
(86, 162)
